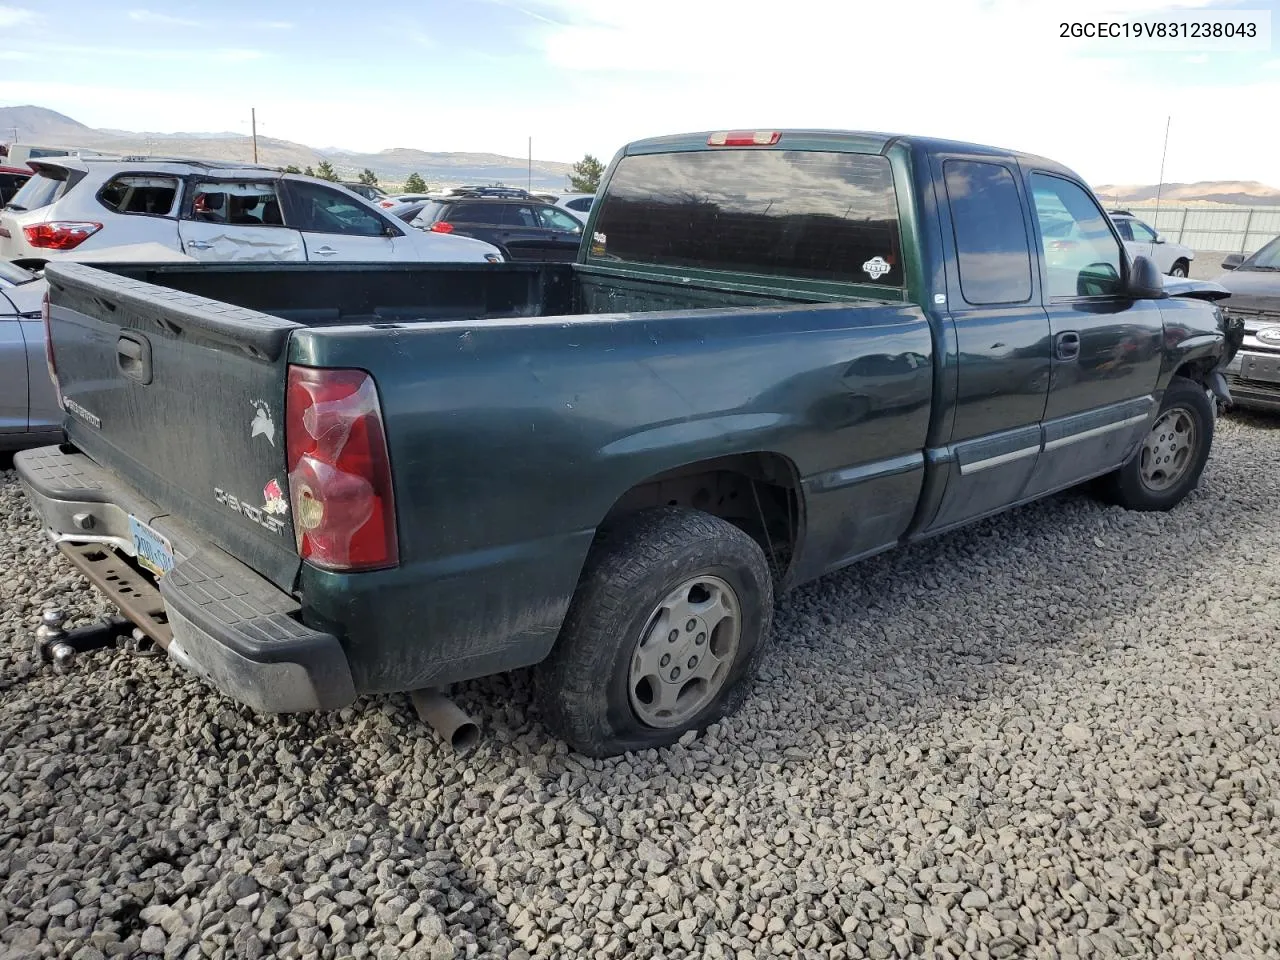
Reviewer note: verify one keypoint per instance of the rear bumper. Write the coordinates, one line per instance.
(215, 616)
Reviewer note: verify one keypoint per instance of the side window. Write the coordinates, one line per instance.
(552, 219)
(1081, 255)
(582, 204)
(140, 193)
(1142, 233)
(1124, 229)
(318, 209)
(236, 203)
(489, 213)
(991, 237)
(521, 215)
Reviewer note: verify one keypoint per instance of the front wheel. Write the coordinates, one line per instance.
(663, 636)
(1180, 269)
(1168, 464)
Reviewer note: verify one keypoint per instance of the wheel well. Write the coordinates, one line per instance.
(1197, 370)
(756, 492)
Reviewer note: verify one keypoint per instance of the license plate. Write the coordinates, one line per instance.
(1266, 369)
(154, 552)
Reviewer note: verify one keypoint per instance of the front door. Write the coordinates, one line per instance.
(1002, 337)
(1106, 345)
(226, 221)
(565, 233)
(337, 227)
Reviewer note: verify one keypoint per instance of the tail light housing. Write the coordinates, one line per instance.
(59, 234)
(344, 513)
(442, 226)
(48, 346)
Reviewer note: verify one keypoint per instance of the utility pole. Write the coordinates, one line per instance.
(529, 185)
(253, 123)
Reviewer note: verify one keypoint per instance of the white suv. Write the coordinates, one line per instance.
(1143, 241)
(209, 212)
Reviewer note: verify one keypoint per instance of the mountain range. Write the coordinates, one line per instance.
(40, 125)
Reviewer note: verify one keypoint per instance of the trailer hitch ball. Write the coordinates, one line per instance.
(63, 656)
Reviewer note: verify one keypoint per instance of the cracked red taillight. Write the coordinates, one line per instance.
(344, 512)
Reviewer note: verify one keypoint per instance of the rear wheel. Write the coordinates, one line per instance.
(1172, 456)
(664, 634)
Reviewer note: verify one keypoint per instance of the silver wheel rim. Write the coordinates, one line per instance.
(1169, 449)
(1179, 272)
(685, 653)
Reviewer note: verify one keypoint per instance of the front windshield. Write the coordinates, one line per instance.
(1268, 258)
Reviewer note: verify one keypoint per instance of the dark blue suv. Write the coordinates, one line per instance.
(524, 229)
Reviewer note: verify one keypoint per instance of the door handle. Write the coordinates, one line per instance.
(199, 245)
(133, 357)
(325, 251)
(1066, 345)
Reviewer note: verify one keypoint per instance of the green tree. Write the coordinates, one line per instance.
(368, 177)
(326, 172)
(586, 175)
(308, 172)
(292, 168)
(415, 184)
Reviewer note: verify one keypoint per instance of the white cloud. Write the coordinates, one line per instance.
(161, 19)
(15, 16)
(991, 72)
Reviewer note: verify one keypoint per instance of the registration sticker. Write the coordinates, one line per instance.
(153, 550)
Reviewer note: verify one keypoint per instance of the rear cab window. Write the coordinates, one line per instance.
(812, 215)
(147, 194)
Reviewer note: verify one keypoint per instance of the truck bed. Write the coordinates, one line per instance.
(500, 388)
(315, 294)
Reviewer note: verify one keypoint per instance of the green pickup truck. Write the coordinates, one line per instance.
(778, 352)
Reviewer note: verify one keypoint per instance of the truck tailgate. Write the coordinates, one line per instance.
(182, 397)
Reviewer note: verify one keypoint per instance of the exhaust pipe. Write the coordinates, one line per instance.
(446, 719)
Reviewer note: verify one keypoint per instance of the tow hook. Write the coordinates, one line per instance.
(59, 647)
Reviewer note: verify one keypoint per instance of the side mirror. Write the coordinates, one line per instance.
(1145, 280)
(1159, 239)
(1232, 260)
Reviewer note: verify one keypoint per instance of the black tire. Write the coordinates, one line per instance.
(1127, 487)
(1180, 269)
(584, 687)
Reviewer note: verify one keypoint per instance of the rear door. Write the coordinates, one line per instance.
(525, 235)
(336, 226)
(1002, 335)
(182, 397)
(225, 221)
(1107, 347)
(486, 220)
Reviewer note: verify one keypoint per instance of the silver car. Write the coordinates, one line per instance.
(29, 411)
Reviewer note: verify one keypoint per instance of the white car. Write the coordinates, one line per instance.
(212, 212)
(579, 204)
(1143, 241)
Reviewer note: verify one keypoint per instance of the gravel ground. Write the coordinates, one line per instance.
(1054, 734)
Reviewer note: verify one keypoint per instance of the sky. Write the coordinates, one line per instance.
(583, 76)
